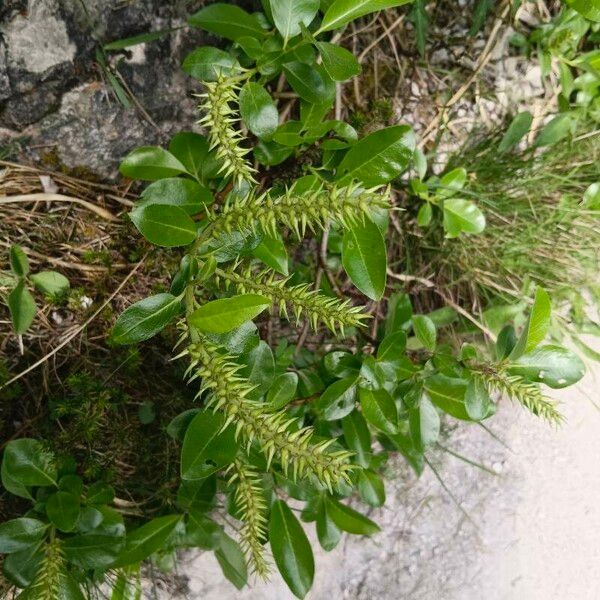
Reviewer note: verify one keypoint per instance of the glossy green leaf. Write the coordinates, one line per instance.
(289, 15)
(537, 326)
(19, 264)
(379, 409)
(477, 400)
(63, 509)
(151, 163)
(448, 394)
(193, 151)
(364, 258)
(186, 194)
(328, 533)
(341, 12)
(258, 110)
(452, 182)
(350, 520)
(163, 225)
(146, 540)
(590, 9)
(424, 215)
(100, 493)
(228, 21)
(18, 534)
(357, 437)
(12, 485)
(519, 127)
(208, 64)
(392, 347)
(145, 318)
(134, 40)
(338, 399)
(22, 308)
(557, 129)
(92, 550)
(371, 488)
(232, 561)
(29, 463)
(339, 63)
(591, 197)
(50, 282)
(380, 157)
(424, 423)
(221, 316)
(291, 549)
(555, 366)
(259, 368)
(206, 448)
(283, 390)
(310, 83)
(399, 313)
(272, 251)
(425, 331)
(462, 216)
(202, 532)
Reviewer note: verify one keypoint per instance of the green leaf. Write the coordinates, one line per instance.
(92, 550)
(348, 519)
(421, 21)
(424, 423)
(341, 12)
(591, 197)
(208, 64)
(358, 437)
(339, 63)
(452, 182)
(364, 258)
(462, 216)
(100, 493)
(13, 485)
(283, 390)
(228, 21)
(22, 308)
(63, 510)
(519, 127)
(28, 462)
(273, 253)
(482, 9)
(143, 38)
(309, 82)
(379, 409)
(146, 540)
(378, 158)
(21, 567)
(328, 532)
(50, 282)
(371, 488)
(19, 263)
(291, 549)
(392, 347)
(193, 151)
(202, 532)
(259, 368)
(399, 313)
(557, 129)
(537, 326)
(206, 446)
(186, 194)
(448, 394)
(258, 110)
(425, 331)
(288, 15)
(221, 316)
(150, 163)
(554, 366)
(163, 225)
(424, 215)
(145, 318)
(477, 400)
(590, 9)
(338, 399)
(18, 534)
(232, 561)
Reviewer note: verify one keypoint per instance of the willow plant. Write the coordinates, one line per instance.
(294, 425)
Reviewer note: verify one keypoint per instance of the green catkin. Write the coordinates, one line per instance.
(297, 211)
(300, 300)
(278, 435)
(517, 389)
(251, 504)
(220, 118)
(47, 582)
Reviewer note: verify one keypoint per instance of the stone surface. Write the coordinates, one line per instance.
(56, 99)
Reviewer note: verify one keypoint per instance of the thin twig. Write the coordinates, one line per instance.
(48, 197)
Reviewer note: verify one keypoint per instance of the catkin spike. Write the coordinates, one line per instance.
(300, 299)
(271, 430)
